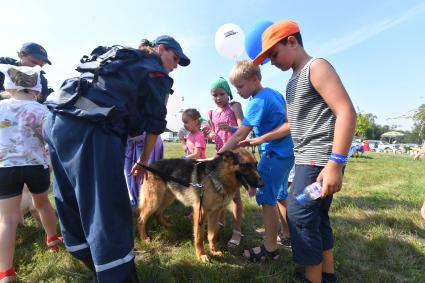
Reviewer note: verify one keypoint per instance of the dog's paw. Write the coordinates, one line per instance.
(217, 253)
(204, 258)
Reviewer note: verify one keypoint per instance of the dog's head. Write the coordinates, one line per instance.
(244, 166)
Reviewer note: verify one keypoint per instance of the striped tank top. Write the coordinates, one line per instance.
(311, 120)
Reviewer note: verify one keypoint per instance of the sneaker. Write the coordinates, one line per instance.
(8, 276)
(54, 242)
(300, 277)
(329, 278)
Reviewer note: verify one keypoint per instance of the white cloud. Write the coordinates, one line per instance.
(363, 33)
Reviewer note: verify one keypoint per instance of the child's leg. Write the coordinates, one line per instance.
(311, 232)
(10, 215)
(47, 214)
(237, 217)
(282, 196)
(328, 262)
(270, 226)
(281, 204)
(37, 179)
(423, 210)
(314, 273)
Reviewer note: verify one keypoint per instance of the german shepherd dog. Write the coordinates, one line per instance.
(207, 186)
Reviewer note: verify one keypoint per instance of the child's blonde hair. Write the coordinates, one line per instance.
(244, 70)
(193, 114)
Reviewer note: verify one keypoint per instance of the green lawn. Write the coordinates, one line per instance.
(379, 235)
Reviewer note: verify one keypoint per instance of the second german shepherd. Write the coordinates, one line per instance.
(210, 187)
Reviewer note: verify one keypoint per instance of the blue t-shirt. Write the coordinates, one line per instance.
(266, 111)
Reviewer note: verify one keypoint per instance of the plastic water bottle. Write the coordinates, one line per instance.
(311, 192)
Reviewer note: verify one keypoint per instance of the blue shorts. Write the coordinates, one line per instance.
(309, 224)
(274, 170)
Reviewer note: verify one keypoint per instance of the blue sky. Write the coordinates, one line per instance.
(377, 47)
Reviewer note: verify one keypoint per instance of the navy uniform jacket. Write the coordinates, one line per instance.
(125, 91)
(45, 90)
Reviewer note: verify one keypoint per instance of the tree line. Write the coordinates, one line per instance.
(368, 129)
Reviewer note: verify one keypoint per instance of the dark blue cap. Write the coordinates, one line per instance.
(170, 42)
(36, 50)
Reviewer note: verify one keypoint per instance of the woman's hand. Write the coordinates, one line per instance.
(138, 170)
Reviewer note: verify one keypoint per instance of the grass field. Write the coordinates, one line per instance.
(379, 235)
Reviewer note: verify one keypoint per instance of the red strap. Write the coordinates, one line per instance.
(156, 74)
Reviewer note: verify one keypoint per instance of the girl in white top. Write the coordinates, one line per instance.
(23, 160)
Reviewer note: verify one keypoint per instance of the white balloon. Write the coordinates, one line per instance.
(174, 121)
(229, 41)
(175, 103)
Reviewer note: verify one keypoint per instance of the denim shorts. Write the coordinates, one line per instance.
(309, 224)
(12, 180)
(274, 170)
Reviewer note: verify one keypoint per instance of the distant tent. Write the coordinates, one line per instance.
(392, 135)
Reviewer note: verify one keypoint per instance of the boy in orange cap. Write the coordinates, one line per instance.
(322, 120)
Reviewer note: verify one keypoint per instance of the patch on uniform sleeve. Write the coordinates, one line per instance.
(156, 74)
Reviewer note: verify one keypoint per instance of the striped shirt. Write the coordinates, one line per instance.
(311, 120)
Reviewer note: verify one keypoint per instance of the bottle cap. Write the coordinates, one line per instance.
(301, 198)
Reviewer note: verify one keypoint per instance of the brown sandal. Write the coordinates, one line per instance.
(263, 255)
(232, 243)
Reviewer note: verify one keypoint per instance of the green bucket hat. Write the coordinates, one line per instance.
(222, 83)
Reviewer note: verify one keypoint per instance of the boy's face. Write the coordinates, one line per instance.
(281, 56)
(245, 88)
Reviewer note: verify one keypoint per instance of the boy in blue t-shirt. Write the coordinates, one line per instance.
(265, 111)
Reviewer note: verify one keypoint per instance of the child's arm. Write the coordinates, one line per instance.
(239, 135)
(277, 133)
(196, 153)
(328, 84)
(237, 109)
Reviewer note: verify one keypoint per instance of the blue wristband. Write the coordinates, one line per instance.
(338, 158)
(233, 129)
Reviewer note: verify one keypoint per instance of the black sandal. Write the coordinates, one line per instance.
(263, 255)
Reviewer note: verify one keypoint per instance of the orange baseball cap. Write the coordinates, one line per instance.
(272, 35)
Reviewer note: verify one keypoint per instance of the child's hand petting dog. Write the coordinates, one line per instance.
(248, 142)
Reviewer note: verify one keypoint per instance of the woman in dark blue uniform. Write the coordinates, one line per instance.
(121, 92)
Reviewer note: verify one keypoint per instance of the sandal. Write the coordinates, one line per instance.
(263, 255)
(8, 275)
(233, 243)
(54, 242)
(283, 241)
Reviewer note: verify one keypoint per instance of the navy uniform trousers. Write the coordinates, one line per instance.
(91, 195)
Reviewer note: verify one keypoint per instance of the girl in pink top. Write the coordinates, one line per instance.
(226, 118)
(223, 122)
(194, 144)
